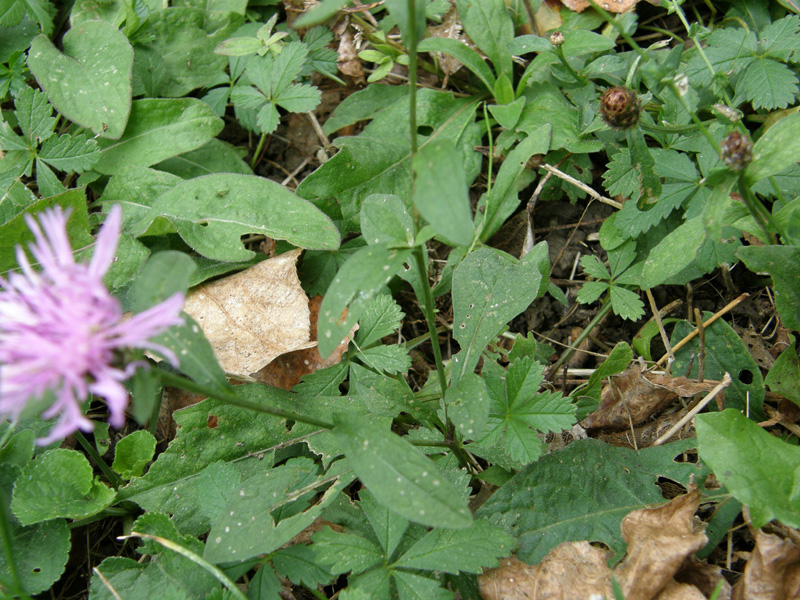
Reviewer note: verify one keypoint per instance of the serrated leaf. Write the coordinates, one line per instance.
(159, 128)
(212, 212)
(90, 83)
(417, 587)
(34, 114)
(298, 563)
(752, 464)
(776, 150)
(267, 118)
(345, 552)
(594, 268)
(626, 303)
(467, 404)
(458, 550)
(58, 484)
(273, 74)
(591, 291)
(619, 179)
(780, 39)
(77, 153)
(299, 97)
(389, 527)
(372, 585)
(621, 480)
(247, 96)
(398, 475)
(359, 279)
(489, 289)
(381, 317)
(391, 359)
(766, 83)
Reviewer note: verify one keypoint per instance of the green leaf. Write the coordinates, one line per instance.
(90, 83)
(264, 584)
(389, 527)
(417, 587)
(766, 83)
(345, 552)
(758, 468)
(364, 104)
(35, 116)
(582, 41)
(159, 128)
(391, 359)
(620, 480)
(360, 279)
(133, 452)
(594, 268)
(378, 160)
(398, 475)
(489, 289)
(372, 585)
(642, 162)
(674, 253)
(214, 157)
(489, 25)
(251, 522)
(783, 263)
(77, 153)
(458, 550)
(58, 484)
(503, 199)
(182, 45)
(467, 404)
(298, 564)
(136, 190)
(381, 317)
(776, 150)
(212, 212)
(298, 98)
(784, 376)
(626, 303)
(239, 46)
(620, 179)
(441, 193)
(725, 352)
(385, 220)
(273, 74)
(464, 54)
(320, 13)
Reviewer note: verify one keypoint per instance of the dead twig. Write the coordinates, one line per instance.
(726, 381)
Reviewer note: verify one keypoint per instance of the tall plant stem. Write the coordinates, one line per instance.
(759, 212)
(89, 448)
(430, 313)
(5, 539)
(257, 153)
(412, 75)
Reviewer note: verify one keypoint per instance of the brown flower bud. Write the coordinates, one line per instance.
(620, 107)
(556, 38)
(737, 151)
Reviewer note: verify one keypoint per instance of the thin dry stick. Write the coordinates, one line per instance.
(107, 583)
(318, 129)
(294, 173)
(701, 350)
(726, 381)
(582, 186)
(661, 330)
(727, 308)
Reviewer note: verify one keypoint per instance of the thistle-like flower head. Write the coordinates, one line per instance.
(736, 151)
(620, 107)
(61, 329)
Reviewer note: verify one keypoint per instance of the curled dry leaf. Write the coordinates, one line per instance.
(571, 570)
(773, 571)
(659, 541)
(612, 6)
(254, 316)
(348, 60)
(449, 28)
(634, 396)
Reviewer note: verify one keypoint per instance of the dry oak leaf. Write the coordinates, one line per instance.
(634, 396)
(570, 570)
(254, 316)
(659, 541)
(773, 571)
(612, 6)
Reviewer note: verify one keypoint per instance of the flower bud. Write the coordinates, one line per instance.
(556, 38)
(620, 107)
(737, 151)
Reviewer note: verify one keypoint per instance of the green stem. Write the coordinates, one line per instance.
(261, 141)
(695, 119)
(114, 479)
(412, 75)
(604, 310)
(759, 212)
(5, 539)
(578, 77)
(173, 380)
(430, 313)
(667, 128)
(152, 426)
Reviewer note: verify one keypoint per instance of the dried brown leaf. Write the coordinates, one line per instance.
(571, 570)
(773, 571)
(632, 397)
(254, 316)
(659, 541)
(348, 60)
(680, 591)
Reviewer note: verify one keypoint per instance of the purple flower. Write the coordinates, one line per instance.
(61, 330)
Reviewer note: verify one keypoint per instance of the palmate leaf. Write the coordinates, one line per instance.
(766, 83)
(298, 97)
(77, 153)
(381, 317)
(391, 359)
(35, 115)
